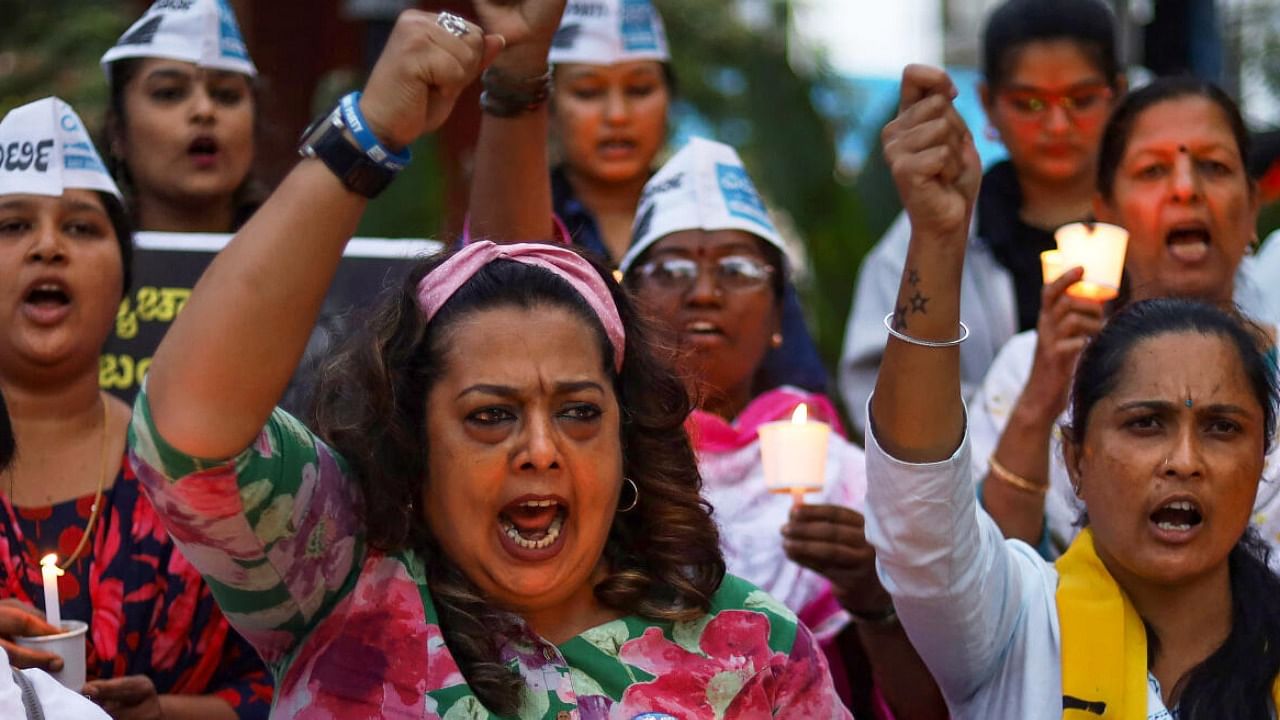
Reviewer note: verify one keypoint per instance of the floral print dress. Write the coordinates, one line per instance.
(149, 612)
(352, 633)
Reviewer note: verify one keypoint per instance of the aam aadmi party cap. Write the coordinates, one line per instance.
(203, 32)
(605, 32)
(702, 187)
(44, 149)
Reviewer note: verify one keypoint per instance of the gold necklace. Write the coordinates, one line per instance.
(97, 497)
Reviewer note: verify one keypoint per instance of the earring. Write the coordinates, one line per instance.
(776, 340)
(991, 133)
(635, 500)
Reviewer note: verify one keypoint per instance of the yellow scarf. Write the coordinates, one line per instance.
(1104, 644)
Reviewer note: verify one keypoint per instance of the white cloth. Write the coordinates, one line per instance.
(1262, 271)
(750, 519)
(702, 187)
(45, 149)
(606, 32)
(59, 703)
(980, 610)
(203, 32)
(987, 306)
(989, 414)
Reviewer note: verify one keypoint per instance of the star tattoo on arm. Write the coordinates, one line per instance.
(900, 317)
(918, 303)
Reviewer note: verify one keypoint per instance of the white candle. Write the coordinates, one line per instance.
(49, 570)
(1098, 248)
(794, 453)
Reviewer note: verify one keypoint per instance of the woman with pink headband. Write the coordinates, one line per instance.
(498, 512)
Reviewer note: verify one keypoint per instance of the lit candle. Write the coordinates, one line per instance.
(49, 570)
(794, 453)
(1098, 248)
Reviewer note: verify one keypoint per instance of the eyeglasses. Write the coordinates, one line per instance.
(1033, 104)
(733, 273)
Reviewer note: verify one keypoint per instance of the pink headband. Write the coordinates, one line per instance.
(440, 284)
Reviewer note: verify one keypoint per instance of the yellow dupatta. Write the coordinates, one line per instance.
(1104, 644)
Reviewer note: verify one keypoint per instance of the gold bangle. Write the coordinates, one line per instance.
(1015, 479)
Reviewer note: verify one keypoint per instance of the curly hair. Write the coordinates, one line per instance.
(663, 557)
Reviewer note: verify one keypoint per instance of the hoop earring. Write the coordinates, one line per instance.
(635, 500)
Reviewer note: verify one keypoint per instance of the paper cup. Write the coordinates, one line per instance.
(794, 455)
(1098, 248)
(68, 645)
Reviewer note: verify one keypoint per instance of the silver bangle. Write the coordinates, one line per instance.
(888, 325)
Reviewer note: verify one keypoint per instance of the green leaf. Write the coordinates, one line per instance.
(468, 708)
(764, 602)
(608, 638)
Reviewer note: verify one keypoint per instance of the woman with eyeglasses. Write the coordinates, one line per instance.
(1173, 411)
(708, 266)
(605, 119)
(1172, 172)
(1051, 77)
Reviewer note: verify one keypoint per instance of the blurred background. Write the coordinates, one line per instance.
(801, 88)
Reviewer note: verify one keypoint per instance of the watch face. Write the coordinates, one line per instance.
(324, 139)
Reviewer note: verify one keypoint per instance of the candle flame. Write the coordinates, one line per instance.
(801, 415)
(50, 562)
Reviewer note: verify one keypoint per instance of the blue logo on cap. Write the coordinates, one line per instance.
(740, 195)
(230, 44)
(639, 26)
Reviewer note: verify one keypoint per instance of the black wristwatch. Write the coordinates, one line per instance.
(326, 139)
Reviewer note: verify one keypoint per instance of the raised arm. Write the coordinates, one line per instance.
(1018, 479)
(225, 362)
(917, 412)
(962, 594)
(511, 185)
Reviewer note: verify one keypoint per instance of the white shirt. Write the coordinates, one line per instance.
(988, 307)
(980, 610)
(57, 701)
(989, 414)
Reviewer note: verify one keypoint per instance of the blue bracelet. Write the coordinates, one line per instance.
(376, 151)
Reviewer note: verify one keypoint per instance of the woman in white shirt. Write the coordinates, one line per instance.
(1165, 602)
(1171, 171)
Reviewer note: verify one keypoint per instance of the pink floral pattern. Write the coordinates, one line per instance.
(352, 633)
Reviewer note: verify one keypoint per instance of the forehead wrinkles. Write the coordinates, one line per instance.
(1194, 122)
(1174, 366)
(526, 343)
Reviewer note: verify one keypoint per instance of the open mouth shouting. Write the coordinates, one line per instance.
(1177, 520)
(532, 527)
(203, 151)
(1189, 242)
(46, 302)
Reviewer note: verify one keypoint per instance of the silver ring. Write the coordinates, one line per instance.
(452, 24)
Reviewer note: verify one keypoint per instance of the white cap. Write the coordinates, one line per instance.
(45, 149)
(702, 187)
(606, 32)
(203, 32)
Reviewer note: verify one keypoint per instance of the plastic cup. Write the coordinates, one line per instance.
(68, 645)
(1099, 248)
(1051, 265)
(794, 456)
